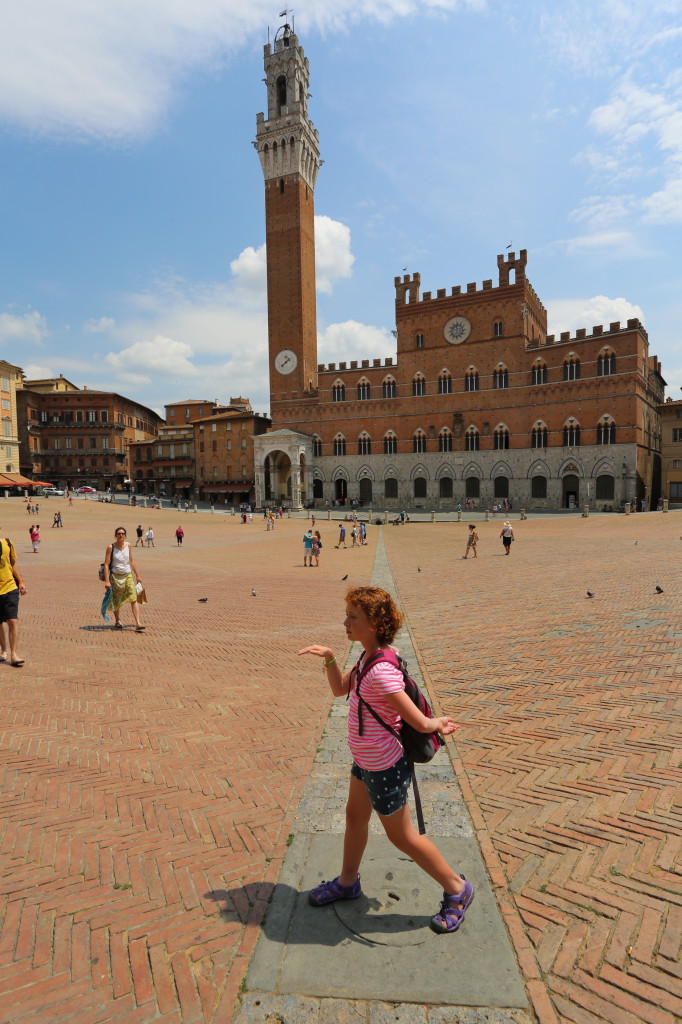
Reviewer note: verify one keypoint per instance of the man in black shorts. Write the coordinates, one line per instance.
(11, 586)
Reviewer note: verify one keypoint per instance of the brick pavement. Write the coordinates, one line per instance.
(141, 831)
(570, 755)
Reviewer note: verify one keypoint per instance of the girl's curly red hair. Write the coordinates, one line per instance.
(380, 609)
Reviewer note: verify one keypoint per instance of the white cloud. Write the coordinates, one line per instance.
(354, 340)
(250, 269)
(571, 314)
(111, 70)
(34, 371)
(616, 244)
(143, 361)
(99, 326)
(25, 327)
(603, 211)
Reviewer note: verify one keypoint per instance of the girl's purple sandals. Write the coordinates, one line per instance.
(452, 909)
(329, 892)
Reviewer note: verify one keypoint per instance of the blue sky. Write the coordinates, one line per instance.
(131, 199)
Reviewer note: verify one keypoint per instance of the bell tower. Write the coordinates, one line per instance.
(288, 148)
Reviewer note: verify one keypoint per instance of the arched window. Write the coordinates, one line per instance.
(444, 383)
(364, 444)
(572, 368)
(445, 440)
(538, 487)
(419, 341)
(317, 446)
(606, 432)
(339, 445)
(501, 487)
(539, 373)
(390, 443)
(539, 437)
(472, 440)
(571, 434)
(365, 491)
(497, 329)
(390, 487)
(606, 364)
(390, 388)
(472, 487)
(419, 487)
(418, 385)
(281, 86)
(419, 441)
(605, 488)
(338, 391)
(471, 380)
(501, 443)
(445, 487)
(363, 390)
(501, 377)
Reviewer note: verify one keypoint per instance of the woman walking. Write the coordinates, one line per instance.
(119, 568)
(507, 536)
(179, 534)
(317, 544)
(34, 532)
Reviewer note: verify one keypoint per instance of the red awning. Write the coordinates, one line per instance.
(16, 480)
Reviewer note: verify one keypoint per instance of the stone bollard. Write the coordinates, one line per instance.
(665, 504)
(487, 515)
(289, 513)
(6, 493)
(307, 515)
(329, 514)
(212, 510)
(196, 509)
(586, 511)
(627, 508)
(522, 514)
(433, 516)
(369, 515)
(385, 518)
(459, 515)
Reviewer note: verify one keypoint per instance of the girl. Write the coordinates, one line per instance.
(34, 532)
(317, 544)
(380, 774)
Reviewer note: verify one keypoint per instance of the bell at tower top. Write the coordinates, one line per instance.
(286, 139)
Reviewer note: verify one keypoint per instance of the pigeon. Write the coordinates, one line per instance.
(635, 543)
(203, 600)
(659, 590)
(344, 577)
(418, 569)
(253, 592)
(590, 593)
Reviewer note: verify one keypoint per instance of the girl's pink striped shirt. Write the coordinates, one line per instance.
(376, 749)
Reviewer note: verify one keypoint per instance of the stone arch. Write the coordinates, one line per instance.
(318, 474)
(604, 466)
(389, 471)
(339, 474)
(538, 468)
(365, 472)
(571, 466)
(420, 470)
(501, 469)
(472, 469)
(445, 469)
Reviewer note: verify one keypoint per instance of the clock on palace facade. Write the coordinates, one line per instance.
(457, 330)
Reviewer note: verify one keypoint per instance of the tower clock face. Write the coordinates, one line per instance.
(457, 330)
(286, 361)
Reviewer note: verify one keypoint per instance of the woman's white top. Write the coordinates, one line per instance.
(120, 559)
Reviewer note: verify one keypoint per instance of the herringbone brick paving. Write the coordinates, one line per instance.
(148, 782)
(570, 755)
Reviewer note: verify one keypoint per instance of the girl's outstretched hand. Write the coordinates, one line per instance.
(318, 651)
(445, 726)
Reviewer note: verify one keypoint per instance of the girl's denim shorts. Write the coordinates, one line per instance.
(388, 787)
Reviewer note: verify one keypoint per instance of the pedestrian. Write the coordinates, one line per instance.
(354, 535)
(140, 535)
(472, 541)
(313, 520)
(363, 534)
(59, 520)
(55, 520)
(507, 536)
(34, 532)
(342, 536)
(12, 587)
(70, 500)
(186, 506)
(317, 545)
(380, 774)
(179, 534)
(119, 568)
(150, 538)
(308, 549)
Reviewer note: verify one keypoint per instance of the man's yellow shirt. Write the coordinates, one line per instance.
(7, 556)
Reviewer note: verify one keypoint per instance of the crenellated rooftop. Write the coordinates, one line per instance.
(598, 331)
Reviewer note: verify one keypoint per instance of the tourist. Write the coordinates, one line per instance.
(342, 536)
(140, 535)
(317, 546)
(179, 534)
(34, 532)
(472, 541)
(119, 568)
(380, 774)
(12, 587)
(150, 538)
(507, 536)
(308, 549)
